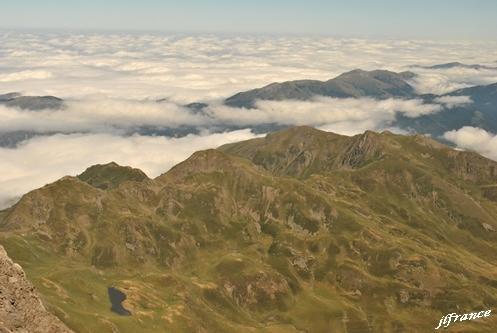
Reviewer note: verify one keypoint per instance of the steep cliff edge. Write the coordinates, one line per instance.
(21, 310)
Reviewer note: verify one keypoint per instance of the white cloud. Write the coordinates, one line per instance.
(453, 101)
(95, 115)
(448, 80)
(346, 116)
(42, 160)
(476, 139)
(118, 115)
(25, 75)
(204, 67)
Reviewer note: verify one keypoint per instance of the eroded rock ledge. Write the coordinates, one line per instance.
(21, 311)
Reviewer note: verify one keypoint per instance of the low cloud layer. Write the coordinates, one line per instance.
(346, 116)
(25, 75)
(42, 160)
(110, 83)
(205, 67)
(106, 121)
(98, 115)
(453, 101)
(122, 116)
(448, 80)
(475, 139)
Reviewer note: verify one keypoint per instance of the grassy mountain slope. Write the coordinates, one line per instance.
(111, 175)
(300, 231)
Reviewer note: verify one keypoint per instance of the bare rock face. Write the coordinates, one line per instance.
(21, 311)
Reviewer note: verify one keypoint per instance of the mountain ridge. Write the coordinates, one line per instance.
(357, 83)
(478, 111)
(260, 236)
(457, 64)
(32, 103)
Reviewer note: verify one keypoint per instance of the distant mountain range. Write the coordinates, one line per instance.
(300, 231)
(480, 112)
(451, 65)
(379, 84)
(33, 103)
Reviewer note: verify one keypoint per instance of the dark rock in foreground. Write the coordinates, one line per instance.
(20, 308)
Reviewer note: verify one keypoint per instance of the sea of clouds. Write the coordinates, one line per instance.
(111, 83)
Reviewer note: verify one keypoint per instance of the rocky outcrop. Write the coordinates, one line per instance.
(21, 310)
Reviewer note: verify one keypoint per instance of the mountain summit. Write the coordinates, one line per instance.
(111, 175)
(32, 103)
(357, 83)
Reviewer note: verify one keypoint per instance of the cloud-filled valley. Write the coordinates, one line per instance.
(42, 160)
(475, 139)
(121, 90)
(122, 116)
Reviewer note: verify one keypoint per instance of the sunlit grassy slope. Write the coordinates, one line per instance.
(301, 231)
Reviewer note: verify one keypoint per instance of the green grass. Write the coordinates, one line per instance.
(378, 231)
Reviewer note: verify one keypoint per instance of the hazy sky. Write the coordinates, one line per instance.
(454, 19)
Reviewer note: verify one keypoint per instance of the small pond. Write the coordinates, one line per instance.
(116, 298)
